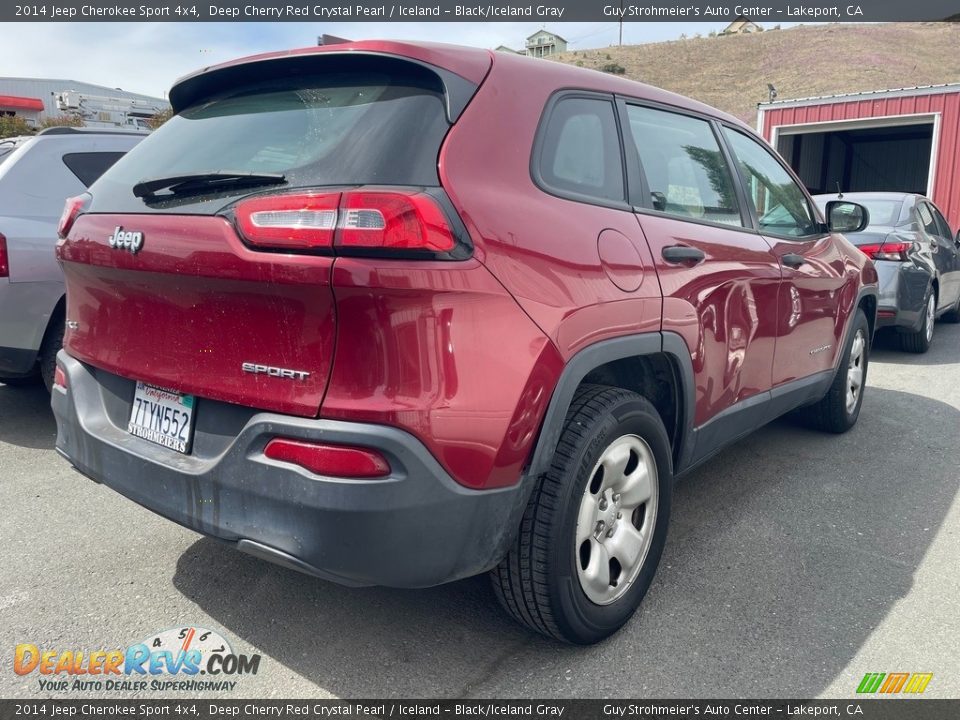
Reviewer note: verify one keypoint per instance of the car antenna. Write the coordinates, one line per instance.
(839, 191)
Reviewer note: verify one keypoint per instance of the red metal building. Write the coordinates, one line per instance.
(901, 140)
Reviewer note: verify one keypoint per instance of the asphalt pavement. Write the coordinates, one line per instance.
(796, 563)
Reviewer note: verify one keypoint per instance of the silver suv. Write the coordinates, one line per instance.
(36, 175)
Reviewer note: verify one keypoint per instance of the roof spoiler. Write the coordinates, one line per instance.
(196, 88)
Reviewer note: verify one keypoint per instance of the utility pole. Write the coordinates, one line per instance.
(621, 23)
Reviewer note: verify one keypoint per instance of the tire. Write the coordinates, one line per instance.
(52, 342)
(834, 413)
(919, 342)
(543, 580)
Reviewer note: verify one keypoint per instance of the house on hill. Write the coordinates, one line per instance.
(543, 43)
(741, 26)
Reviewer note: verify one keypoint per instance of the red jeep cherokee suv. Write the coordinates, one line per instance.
(398, 314)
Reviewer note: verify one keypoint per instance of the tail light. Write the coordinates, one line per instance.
(887, 250)
(351, 222)
(332, 460)
(4, 258)
(71, 211)
(393, 220)
(293, 222)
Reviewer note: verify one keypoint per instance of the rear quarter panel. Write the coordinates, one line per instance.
(542, 248)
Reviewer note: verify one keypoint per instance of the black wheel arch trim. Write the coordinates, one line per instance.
(601, 353)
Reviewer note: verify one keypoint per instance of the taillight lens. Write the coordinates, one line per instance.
(71, 211)
(4, 258)
(394, 220)
(343, 461)
(887, 250)
(293, 222)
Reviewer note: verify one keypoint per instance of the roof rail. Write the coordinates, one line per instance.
(89, 131)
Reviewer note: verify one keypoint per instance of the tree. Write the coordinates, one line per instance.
(159, 118)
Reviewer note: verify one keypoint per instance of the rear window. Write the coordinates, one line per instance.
(89, 166)
(346, 128)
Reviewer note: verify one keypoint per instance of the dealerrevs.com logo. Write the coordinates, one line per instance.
(190, 659)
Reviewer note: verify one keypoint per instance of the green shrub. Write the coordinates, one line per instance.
(11, 126)
(61, 121)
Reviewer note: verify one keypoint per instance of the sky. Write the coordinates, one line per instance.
(147, 57)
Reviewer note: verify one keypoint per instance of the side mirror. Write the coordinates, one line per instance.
(846, 217)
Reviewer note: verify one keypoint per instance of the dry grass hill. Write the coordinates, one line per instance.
(732, 72)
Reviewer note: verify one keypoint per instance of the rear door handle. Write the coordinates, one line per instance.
(682, 254)
(793, 260)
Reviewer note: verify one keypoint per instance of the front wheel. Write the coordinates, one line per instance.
(839, 409)
(596, 523)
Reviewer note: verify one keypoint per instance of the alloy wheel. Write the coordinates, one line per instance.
(616, 520)
(855, 370)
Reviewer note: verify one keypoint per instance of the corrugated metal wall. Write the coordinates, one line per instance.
(44, 89)
(946, 184)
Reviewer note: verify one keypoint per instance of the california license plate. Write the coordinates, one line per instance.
(162, 416)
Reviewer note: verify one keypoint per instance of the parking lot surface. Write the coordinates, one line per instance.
(796, 562)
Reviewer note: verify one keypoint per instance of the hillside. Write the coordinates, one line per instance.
(732, 72)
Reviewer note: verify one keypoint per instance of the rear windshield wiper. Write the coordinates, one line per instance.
(210, 181)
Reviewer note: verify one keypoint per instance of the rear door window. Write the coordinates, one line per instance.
(943, 227)
(579, 151)
(338, 128)
(926, 219)
(686, 170)
(89, 166)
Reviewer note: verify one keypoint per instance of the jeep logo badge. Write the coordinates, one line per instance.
(121, 240)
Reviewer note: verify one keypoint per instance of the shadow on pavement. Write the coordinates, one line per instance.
(26, 419)
(945, 349)
(786, 552)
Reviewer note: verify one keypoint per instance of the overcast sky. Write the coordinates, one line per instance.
(148, 57)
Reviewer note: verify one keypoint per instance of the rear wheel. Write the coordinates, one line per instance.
(596, 523)
(919, 341)
(52, 342)
(839, 409)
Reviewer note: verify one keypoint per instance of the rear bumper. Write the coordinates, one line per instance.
(415, 528)
(902, 291)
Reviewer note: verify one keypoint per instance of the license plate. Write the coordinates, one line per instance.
(162, 416)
